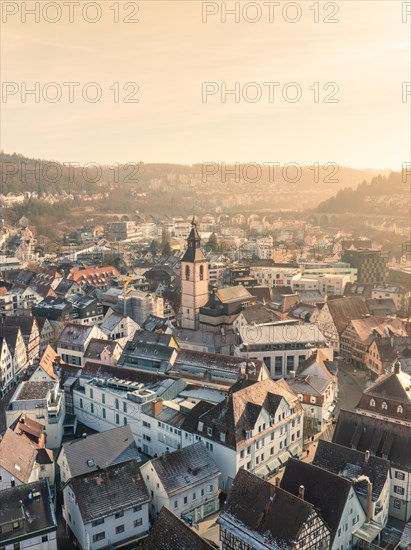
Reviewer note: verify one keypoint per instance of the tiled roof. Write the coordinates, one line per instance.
(171, 533)
(327, 492)
(343, 310)
(239, 411)
(390, 440)
(104, 448)
(185, 467)
(339, 460)
(256, 509)
(17, 456)
(104, 492)
(233, 294)
(47, 361)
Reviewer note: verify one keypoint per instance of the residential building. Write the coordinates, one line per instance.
(184, 481)
(46, 331)
(258, 515)
(15, 342)
(99, 277)
(336, 314)
(6, 367)
(30, 332)
(283, 346)
(386, 439)
(53, 309)
(86, 309)
(356, 338)
(332, 496)
(17, 461)
(44, 402)
(382, 352)
(106, 352)
(45, 370)
(96, 451)
(257, 426)
(107, 506)
(316, 386)
(171, 533)
(116, 326)
(363, 470)
(27, 517)
(74, 340)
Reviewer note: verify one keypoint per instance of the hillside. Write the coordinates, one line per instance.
(384, 195)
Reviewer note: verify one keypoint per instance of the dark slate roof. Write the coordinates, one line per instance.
(389, 440)
(257, 508)
(105, 449)
(185, 467)
(193, 252)
(25, 322)
(327, 492)
(105, 492)
(351, 463)
(171, 533)
(239, 411)
(35, 515)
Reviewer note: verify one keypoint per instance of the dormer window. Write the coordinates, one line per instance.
(209, 431)
(372, 403)
(384, 406)
(222, 437)
(200, 426)
(399, 409)
(90, 463)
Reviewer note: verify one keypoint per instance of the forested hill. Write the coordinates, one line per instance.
(383, 195)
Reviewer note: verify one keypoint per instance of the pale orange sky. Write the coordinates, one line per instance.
(171, 52)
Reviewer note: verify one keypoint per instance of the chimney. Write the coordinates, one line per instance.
(157, 407)
(367, 457)
(369, 501)
(277, 481)
(301, 492)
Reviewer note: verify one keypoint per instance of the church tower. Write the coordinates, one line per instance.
(194, 280)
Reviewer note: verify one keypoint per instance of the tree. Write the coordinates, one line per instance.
(166, 250)
(212, 243)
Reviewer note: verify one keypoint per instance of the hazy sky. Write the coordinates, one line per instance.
(171, 52)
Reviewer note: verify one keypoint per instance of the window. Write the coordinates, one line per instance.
(99, 536)
(399, 490)
(81, 403)
(16, 546)
(242, 454)
(137, 508)
(103, 398)
(124, 406)
(384, 406)
(117, 418)
(272, 451)
(209, 431)
(90, 462)
(119, 515)
(211, 488)
(138, 522)
(176, 504)
(44, 538)
(119, 529)
(146, 437)
(91, 393)
(356, 519)
(92, 408)
(399, 475)
(202, 492)
(201, 272)
(104, 412)
(187, 272)
(146, 424)
(222, 437)
(185, 500)
(372, 402)
(194, 496)
(248, 465)
(399, 409)
(397, 504)
(125, 421)
(97, 522)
